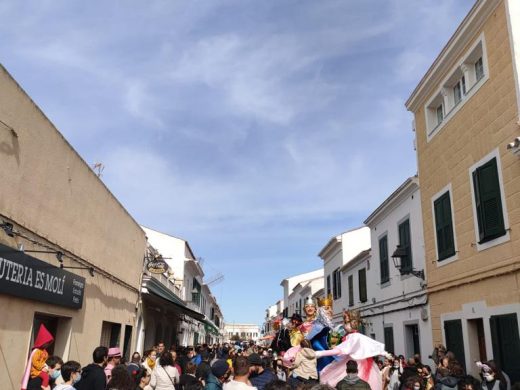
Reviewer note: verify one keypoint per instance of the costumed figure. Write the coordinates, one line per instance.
(320, 329)
(310, 316)
(295, 334)
(355, 346)
(281, 341)
(336, 336)
(36, 366)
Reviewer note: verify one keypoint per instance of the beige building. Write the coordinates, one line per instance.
(466, 110)
(55, 210)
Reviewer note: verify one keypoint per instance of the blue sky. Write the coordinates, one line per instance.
(256, 130)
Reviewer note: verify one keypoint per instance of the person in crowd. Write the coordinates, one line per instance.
(188, 379)
(93, 376)
(120, 379)
(204, 368)
(240, 379)
(413, 383)
(71, 374)
(114, 359)
(258, 375)
(428, 383)
(449, 373)
(392, 374)
(409, 370)
(278, 385)
(142, 379)
(160, 348)
(197, 358)
(469, 383)
(54, 363)
(165, 376)
(492, 377)
(281, 341)
(219, 374)
(36, 366)
(150, 360)
(418, 360)
(352, 380)
(175, 363)
(304, 366)
(280, 370)
(182, 359)
(135, 363)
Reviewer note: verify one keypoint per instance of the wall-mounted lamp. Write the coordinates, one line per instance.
(397, 258)
(514, 146)
(8, 228)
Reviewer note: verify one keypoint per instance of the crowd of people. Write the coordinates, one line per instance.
(303, 355)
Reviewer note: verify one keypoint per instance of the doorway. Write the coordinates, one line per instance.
(477, 341)
(455, 340)
(506, 344)
(413, 344)
(59, 327)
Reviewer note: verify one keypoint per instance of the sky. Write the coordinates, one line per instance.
(255, 130)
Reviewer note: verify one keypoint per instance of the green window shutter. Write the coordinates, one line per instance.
(389, 339)
(488, 202)
(405, 242)
(444, 227)
(383, 259)
(362, 277)
(350, 290)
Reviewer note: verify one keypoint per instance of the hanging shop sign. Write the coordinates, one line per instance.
(26, 277)
(157, 265)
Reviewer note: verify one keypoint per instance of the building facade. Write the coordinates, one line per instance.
(396, 305)
(77, 253)
(338, 251)
(241, 332)
(466, 112)
(291, 301)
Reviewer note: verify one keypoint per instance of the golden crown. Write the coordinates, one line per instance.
(327, 301)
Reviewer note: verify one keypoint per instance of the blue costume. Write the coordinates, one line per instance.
(318, 337)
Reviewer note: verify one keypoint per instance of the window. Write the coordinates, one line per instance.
(488, 202)
(328, 285)
(479, 69)
(110, 334)
(439, 111)
(389, 339)
(350, 290)
(460, 84)
(444, 227)
(406, 244)
(336, 284)
(459, 90)
(383, 259)
(362, 277)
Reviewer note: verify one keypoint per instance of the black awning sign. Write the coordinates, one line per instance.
(24, 276)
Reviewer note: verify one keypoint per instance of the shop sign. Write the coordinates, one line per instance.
(26, 277)
(157, 266)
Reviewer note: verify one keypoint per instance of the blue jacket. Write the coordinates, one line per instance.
(259, 381)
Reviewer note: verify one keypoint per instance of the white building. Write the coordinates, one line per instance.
(199, 318)
(242, 332)
(397, 305)
(338, 251)
(290, 299)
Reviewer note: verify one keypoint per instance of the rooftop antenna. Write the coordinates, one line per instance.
(98, 168)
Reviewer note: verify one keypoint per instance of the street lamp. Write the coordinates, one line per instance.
(397, 258)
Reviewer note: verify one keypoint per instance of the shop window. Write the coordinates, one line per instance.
(59, 327)
(110, 334)
(50, 323)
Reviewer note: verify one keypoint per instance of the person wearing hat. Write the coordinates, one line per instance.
(258, 375)
(114, 358)
(219, 374)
